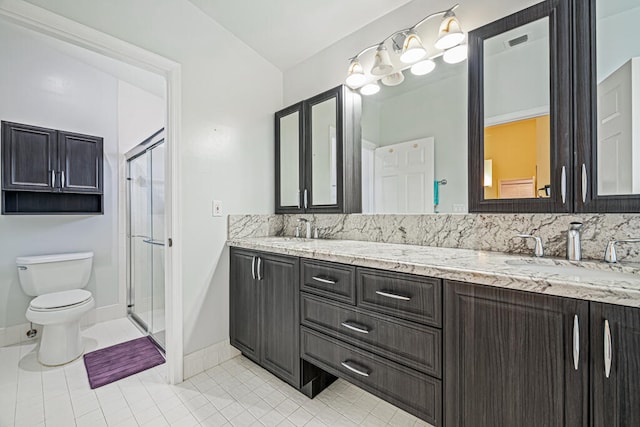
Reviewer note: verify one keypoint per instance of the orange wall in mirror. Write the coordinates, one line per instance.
(519, 150)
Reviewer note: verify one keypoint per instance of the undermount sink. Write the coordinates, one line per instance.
(575, 271)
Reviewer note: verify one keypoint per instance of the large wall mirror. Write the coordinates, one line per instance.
(608, 105)
(414, 144)
(519, 112)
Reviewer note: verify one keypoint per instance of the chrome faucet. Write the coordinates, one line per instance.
(574, 251)
(610, 253)
(538, 251)
(307, 226)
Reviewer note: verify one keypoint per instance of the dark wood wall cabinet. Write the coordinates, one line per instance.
(318, 154)
(48, 171)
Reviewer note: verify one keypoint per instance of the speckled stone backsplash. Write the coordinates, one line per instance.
(492, 232)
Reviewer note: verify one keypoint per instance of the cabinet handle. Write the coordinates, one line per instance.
(322, 280)
(393, 296)
(608, 349)
(584, 183)
(298, 198)
(259, 264)
(576, 342)
(62, 179)
(53, 179)
(253, 268)
(563, 185)
(355, 370)
(306, 199)
(355, 327)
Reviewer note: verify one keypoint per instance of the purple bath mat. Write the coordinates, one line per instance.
(113, 363)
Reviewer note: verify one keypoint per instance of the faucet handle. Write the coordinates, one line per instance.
(610, 255)
(539, 250)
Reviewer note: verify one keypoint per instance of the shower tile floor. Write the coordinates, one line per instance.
(235, 393)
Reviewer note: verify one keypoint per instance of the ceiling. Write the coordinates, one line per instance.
(286, 32)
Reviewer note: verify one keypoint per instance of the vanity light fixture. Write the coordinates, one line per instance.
(409, 52)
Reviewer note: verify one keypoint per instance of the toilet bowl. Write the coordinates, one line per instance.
(56, 281)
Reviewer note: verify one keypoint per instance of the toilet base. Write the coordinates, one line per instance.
(60, 344)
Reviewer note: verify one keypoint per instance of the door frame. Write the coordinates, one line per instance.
(50, 24)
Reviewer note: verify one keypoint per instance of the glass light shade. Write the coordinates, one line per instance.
(450, 32)
(412, 49)
(393, 79)
(355, 74)
(423, 67)
(382, 62)
(370, 89)
(455, 54)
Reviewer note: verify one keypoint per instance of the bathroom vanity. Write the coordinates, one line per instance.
(449, 335)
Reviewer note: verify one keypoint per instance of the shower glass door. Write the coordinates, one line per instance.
(146, 239)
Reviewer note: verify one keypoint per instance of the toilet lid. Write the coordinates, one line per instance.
(60, 299)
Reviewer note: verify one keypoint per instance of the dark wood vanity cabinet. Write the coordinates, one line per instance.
(615, 365)
(514, 358)
(47, 171)
(318, 154)
(263, 316)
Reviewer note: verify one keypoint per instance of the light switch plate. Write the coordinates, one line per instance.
(216, 208)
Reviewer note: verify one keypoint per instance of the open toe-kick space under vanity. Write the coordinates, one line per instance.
(454, 336)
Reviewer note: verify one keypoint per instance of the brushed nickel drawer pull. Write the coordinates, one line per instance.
(355, 370)
(393, 296)
(355, 327)
(322, 280)
(576, 342)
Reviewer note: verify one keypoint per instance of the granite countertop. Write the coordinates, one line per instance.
(587, 280)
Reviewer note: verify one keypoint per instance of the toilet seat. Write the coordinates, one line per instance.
(63, 300)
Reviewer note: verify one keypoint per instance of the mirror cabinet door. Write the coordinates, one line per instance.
(608, 106)
(519, 99)
(289, 175)
(324, 151)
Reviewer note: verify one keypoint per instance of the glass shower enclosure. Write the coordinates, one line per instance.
(146, 236)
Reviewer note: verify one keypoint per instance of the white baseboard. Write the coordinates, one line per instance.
(208, 357)
(18, 334)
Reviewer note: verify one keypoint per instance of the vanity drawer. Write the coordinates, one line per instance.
(417, 346)
(406, 296)
(329, 279)
(411, 390)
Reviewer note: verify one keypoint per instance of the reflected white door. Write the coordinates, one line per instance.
(404, 176)
(368, 176)
(618, 150)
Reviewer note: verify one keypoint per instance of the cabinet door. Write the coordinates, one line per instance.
(29, 157)
(615, 365)
(509, 358)
(81, 163)
(243, 303)
(289, 159)
(280, 316)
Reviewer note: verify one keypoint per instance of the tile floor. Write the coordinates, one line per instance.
(235, 393)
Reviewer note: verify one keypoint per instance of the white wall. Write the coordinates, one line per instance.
(140, 115)
(229, 95)
(43, 87)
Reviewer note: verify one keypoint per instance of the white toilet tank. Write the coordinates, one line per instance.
(44, 274)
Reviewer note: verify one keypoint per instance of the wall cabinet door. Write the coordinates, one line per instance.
(615, 365)
(80, 163)
(243, 303)
(29, 157)
(263, 313)
(322, 173)
(511, 358)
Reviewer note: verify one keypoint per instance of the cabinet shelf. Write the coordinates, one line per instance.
(42, 203)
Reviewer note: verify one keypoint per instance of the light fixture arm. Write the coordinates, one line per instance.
(404, 31)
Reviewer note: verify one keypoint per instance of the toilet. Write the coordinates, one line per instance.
(56, 282)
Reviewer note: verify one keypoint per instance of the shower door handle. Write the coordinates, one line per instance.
(153, 242)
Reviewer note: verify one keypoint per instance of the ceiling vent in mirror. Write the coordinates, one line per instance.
(518, 40)
(406, 48)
